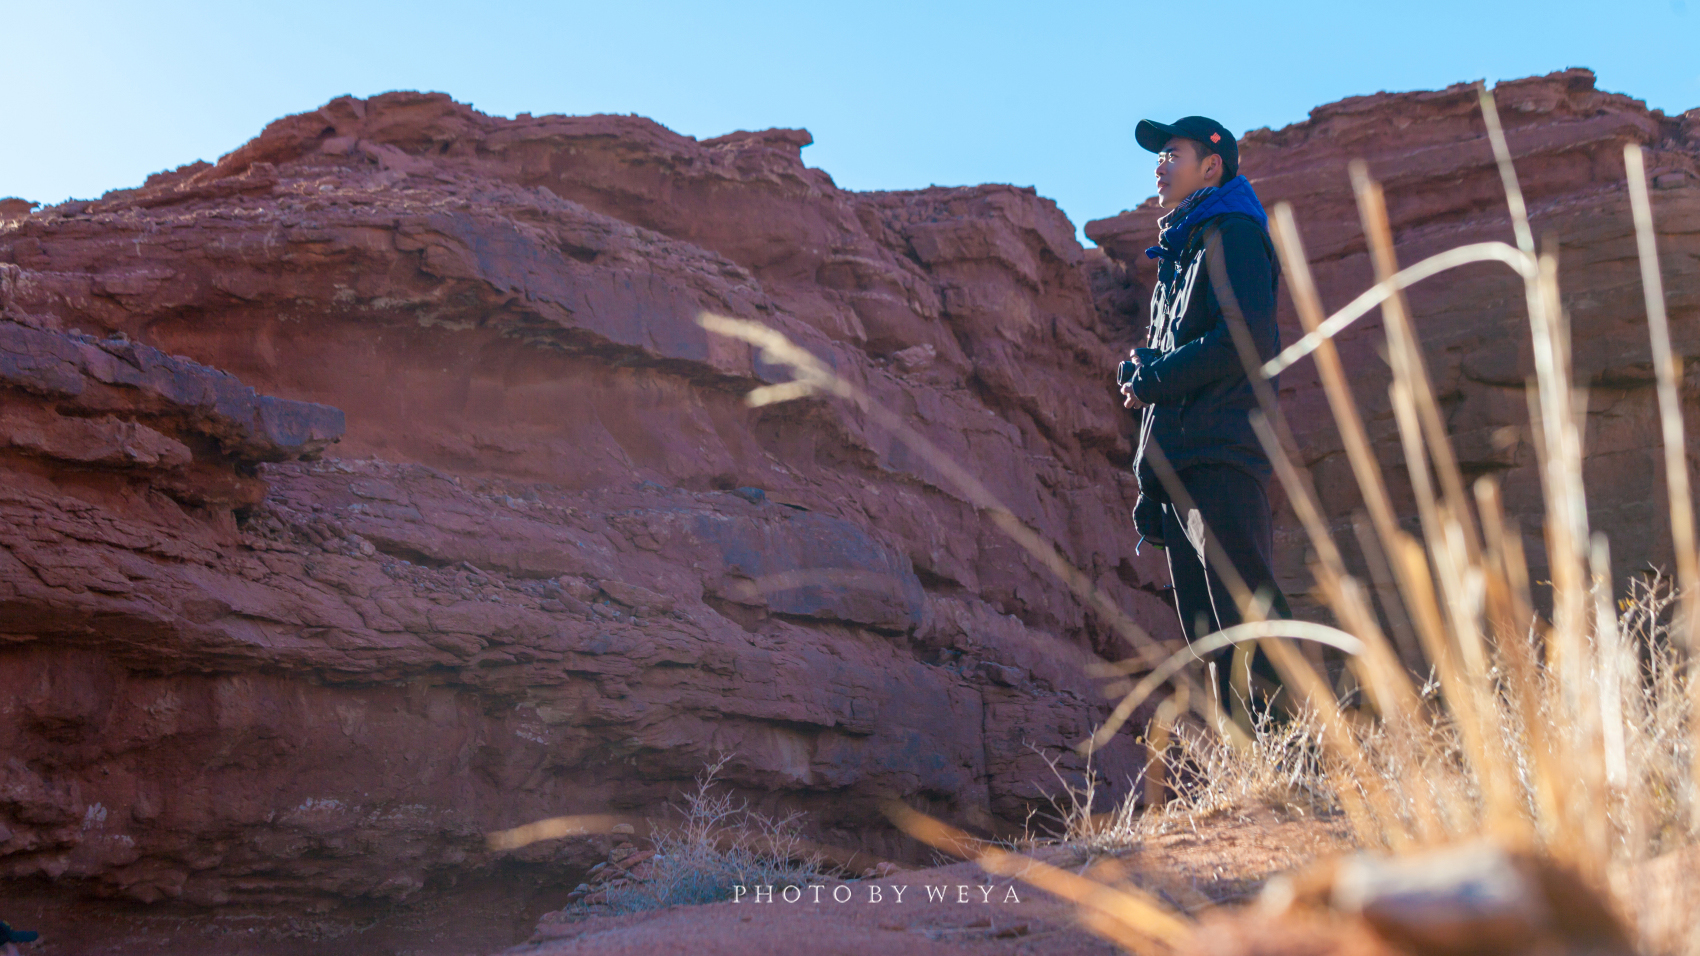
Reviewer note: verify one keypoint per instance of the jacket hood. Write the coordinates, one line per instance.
(1235, 195)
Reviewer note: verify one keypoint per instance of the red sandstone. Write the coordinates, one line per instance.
(521, 583)
(374, 487)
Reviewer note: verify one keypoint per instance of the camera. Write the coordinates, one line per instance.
(1124, 371)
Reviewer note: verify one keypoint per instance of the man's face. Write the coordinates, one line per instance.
(1182, 171)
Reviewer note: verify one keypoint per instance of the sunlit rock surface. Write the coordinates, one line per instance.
(552, 563)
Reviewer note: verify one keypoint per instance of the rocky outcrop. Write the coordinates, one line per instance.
(554, 563)
(551, 562)
(1430, 151)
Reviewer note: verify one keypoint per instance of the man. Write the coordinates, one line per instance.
(1193, 383)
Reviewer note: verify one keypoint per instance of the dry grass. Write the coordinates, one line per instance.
(1569, 733)
(1195, 774)
(1281, 769)
(718, 843)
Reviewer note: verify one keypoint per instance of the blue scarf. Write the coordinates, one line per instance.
(1176, 228)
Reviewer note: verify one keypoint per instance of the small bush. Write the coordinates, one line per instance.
(718, 843)
(1281, 768)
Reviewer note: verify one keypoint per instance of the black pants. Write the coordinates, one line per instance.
(1234, 506)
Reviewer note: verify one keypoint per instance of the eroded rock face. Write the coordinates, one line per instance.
(1431, 153)
(554, 564)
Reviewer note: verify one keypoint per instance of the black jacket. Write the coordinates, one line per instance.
(1191, 377)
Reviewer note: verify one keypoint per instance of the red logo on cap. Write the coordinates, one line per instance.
(1215, 137)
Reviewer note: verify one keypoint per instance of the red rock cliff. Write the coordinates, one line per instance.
(554, 564)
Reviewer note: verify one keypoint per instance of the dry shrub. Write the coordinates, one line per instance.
(1282, 765)
(716, 844)
(1658, 713)
(1281, 769)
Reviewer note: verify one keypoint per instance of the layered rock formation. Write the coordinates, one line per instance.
(554, 564)
(1430, 151)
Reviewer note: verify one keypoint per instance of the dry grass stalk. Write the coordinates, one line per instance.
(554, 828)
(1668, 367)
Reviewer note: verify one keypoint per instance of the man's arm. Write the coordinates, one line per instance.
(1213, 356)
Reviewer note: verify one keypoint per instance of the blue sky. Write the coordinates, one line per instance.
(898, 95)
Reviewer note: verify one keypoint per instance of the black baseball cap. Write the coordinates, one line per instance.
(1215, 137)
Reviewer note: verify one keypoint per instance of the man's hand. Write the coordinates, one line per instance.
(1129, 399)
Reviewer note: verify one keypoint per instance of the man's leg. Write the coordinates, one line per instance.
(1192, 597)
(1234, 507)
(1186, 570)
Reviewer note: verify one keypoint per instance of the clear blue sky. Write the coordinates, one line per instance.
(897, 94)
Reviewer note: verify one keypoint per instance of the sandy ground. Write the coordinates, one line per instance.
(1222, 860)
(474, 918)
(1198, 864)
